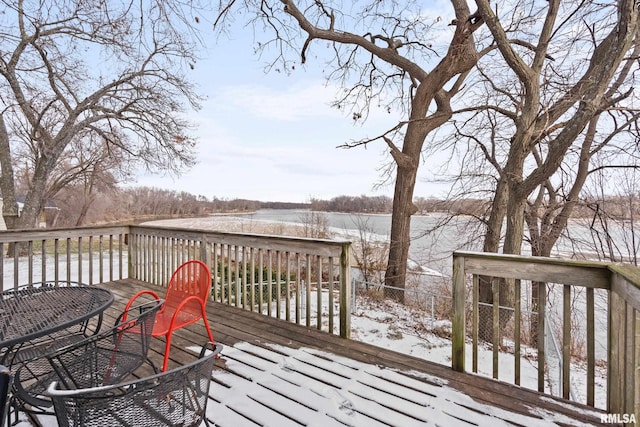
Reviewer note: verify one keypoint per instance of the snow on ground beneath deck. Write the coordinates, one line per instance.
(410, 331)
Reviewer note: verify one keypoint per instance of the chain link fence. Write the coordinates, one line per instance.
(553, 362)
(438, 306)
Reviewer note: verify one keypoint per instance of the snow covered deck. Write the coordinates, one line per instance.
(276, 373)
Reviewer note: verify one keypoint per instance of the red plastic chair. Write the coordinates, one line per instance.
(185, 302)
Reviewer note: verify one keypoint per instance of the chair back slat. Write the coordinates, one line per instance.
(192, 278)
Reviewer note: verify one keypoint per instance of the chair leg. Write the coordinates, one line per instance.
(16, 410)
(167, 347)
(206, 324)
(153, 365)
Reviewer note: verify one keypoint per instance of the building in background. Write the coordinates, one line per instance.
(48, 216)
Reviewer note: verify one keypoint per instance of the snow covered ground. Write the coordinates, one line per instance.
(316, 388)
(403, 329)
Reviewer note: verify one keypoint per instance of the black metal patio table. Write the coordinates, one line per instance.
(35, 311)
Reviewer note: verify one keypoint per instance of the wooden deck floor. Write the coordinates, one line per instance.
(279, 374)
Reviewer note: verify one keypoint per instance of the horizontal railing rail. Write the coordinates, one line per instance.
(84, 254)
(598, 292)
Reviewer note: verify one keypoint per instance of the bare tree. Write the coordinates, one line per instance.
(113, 70)
(608, 230)
(559, 93)
(554, 104)
(315, 225)
(379, 51)
(613, 144)
(90, 167)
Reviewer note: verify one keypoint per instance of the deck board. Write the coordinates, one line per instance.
(274, 372)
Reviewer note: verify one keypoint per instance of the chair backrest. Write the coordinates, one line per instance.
(192, 278)
(175, 397)
(5, 386)
(109, 357)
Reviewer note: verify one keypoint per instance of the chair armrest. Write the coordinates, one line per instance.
(133, 299)
(109, 356)
(216, 348)
(32, 398)
(205, 352)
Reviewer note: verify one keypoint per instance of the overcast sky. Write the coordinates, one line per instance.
(274, 137)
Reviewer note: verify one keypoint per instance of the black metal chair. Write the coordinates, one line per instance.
(177, 397)
(102, 359)
(5, 386)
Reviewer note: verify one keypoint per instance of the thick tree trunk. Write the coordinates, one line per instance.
(461, 57)
(7, 188)
(10, 211)
(403, 209)
(506, 204)
(496, 217)
(514, 233)
(440, 85)
(491, 244)
(34, 201)
(532, 124)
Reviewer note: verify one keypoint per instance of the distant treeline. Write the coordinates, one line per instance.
(354, 204)
(72, 208)
(360, 204)
(384, 204)
(617, 207)
(239, 205)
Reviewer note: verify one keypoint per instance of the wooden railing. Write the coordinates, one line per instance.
(578, 285)
(296, 279)
(87, 254)
(306, 281)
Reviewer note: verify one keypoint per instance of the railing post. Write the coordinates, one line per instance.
(205, 253)
(2, 266)
(345, 291)
(634, 404)
(615, 360)
(624, 344)
(458, 324)
(131, 255)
